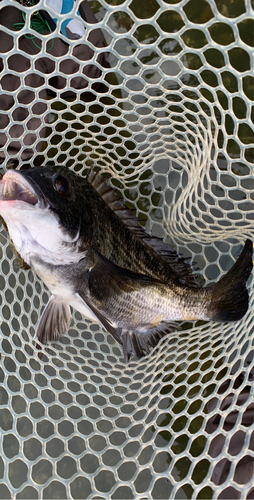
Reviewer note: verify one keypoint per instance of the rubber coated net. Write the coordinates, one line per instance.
(159, 94)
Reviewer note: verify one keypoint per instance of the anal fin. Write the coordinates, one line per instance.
(140, 343)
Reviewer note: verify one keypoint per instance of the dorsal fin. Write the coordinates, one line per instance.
(109, 195)
(178, 264)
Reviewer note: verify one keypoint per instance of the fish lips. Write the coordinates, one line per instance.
(15, 187)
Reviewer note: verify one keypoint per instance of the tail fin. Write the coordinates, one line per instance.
(229, 296)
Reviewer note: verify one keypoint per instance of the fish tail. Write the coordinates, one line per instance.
(229, 297)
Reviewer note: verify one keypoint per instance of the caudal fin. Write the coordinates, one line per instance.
(230, 298)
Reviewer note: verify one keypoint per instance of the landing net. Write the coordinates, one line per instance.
(159, 94)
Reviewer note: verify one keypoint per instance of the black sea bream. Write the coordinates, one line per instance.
(92, 254)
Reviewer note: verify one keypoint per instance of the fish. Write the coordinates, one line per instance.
(94, 256)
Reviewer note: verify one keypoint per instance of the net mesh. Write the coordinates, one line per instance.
(159, 94)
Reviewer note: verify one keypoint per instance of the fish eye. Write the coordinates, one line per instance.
(61, 185)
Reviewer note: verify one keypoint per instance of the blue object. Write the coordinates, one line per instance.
(67, 6)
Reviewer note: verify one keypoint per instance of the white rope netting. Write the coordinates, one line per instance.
(160, 95)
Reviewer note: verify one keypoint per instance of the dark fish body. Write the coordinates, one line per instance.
(93, 255)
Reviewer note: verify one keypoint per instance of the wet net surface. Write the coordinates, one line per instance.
(161, 98)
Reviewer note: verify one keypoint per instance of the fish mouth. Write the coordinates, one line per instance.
(15, 187)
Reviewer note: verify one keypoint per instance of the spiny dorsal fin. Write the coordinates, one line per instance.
(170, 257)
(109, 195)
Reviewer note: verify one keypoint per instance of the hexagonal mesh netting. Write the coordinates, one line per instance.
(159, 94)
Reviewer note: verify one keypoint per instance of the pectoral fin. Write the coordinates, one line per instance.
(106, 279)
(54, 320)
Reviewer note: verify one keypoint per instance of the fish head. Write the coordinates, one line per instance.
(43, 209)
